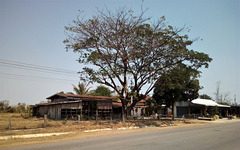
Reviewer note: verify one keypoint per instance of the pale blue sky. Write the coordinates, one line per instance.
(32, 31)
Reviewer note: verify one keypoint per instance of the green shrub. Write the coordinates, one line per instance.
(64, 121)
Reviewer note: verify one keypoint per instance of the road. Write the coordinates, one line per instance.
(224, 136)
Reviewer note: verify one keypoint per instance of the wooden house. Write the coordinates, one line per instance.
(71, 106)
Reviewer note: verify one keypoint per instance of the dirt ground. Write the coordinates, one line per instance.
(22, 126)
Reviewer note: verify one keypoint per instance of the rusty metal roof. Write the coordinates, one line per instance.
(55, 103)
(82, 97)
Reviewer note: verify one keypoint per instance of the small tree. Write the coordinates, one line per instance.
(21, 107)
(178, 84)
(4, 104)
(153, 106)
(82, 88)
(205, 96)
(222, 98)
(217, 93)
(62, 92)
(103, 91)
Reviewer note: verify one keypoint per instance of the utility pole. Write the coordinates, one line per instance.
(235, 100)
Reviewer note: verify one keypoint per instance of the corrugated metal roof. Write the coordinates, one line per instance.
(207, 102)
(56, 103)
(81, 96)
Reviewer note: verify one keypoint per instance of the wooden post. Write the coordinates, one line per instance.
(79, 118)
(205, 111)
(9, 123)
(88, 110)
(81, 113)
(111, 116)
(45, 121)
(96, 115)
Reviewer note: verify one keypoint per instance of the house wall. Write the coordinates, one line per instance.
(59, 100)
(181, 110)
(104, 105)
(54, 111)
(42, 110)
(138, 111)
(70, 106)
(182, 104)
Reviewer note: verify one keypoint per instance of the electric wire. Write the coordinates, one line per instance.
(44, 71)
(35, 67)
(17, 75)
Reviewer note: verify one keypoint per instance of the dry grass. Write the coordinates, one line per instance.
(21, 125)
(20, 122)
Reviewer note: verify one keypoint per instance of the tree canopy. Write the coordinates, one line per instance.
(19, 108)
(178, 84)
(205, 96)
(128, 53)
(81, 88)
(103, 91)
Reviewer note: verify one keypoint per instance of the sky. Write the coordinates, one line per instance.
(34, 63)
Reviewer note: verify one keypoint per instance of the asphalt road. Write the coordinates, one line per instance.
(224, 136)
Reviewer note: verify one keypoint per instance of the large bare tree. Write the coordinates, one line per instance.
(128, 53)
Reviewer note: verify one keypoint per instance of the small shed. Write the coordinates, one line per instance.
(207, 102)
(199, 107)
(70, 106)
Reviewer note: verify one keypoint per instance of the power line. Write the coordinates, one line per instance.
(38, 68)
(27, 66)
(28, 76)
(56, 73)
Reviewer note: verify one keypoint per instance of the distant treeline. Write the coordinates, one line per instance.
(19, 108)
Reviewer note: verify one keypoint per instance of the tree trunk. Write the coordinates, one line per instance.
(124, 114)
(127, 110)
(173, 111)
(189, 109)
(124, 110)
